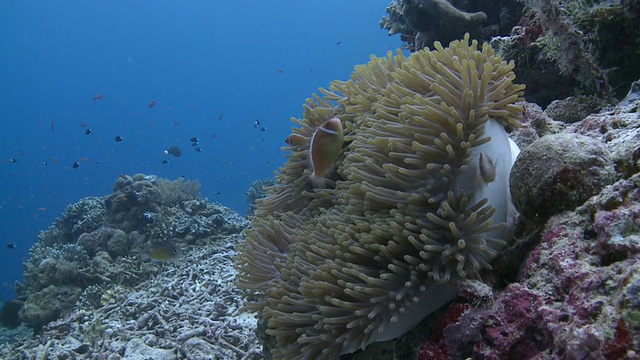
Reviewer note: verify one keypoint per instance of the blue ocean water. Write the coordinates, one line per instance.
(213, 68)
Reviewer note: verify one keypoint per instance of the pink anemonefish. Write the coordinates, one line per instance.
(326, 145)
(295, 140)
(487, 167)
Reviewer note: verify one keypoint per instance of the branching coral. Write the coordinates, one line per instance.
(405, 215)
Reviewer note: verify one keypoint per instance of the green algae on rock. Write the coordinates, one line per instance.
(559, 172)
(404, 216)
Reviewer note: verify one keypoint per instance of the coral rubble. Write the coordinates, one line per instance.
(189, 309)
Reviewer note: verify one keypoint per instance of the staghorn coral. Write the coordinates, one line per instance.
(404, 216)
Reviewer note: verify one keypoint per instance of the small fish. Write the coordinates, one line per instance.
(198, 149)
(173, 150)
(97, 163)
(280, 71)
(295, 140)
(11, 246)
(75, 165)
(98, 97)
(54, 160)
(82, 124)
(256, 124)
(262, 128)
(487, 167)
(194, 140)
(118, 138)
(152, 104)
(87, 132)
(338, 42)
(163, 252)
(221, 117)
(123, 176)
(45, 163)
(13, 160)
(165, 161)
(42, 209)
(326, 146)
(53, 126)
(194, 143)
(216, 192)
(83, 159)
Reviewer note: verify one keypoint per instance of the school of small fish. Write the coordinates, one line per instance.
(325, 147)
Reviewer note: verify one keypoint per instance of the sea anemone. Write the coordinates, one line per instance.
(412, 206)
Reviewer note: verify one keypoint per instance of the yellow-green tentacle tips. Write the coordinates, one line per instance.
(416, 199)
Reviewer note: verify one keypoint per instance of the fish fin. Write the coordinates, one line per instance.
(487, 167)
(317, 181)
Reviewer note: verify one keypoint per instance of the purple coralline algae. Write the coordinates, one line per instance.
(573, 292)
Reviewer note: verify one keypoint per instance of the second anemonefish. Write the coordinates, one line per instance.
(326, 145)
(487, 167)
(295, 140)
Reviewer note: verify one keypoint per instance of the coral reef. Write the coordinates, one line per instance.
(188, 310)
(411, 209)
(561, 47)
(102, 242)
(84, 216)
(9, 313)
(256, 191)
(559, 172)
(570, 288)
(422, 22)
(591, 46)
(577, 296)
(574, 108)
(134, 198)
